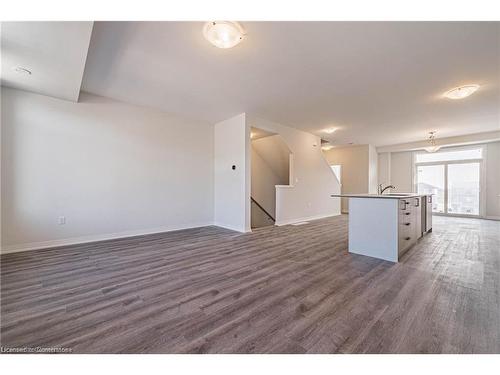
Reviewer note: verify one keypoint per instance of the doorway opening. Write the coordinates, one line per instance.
(270, 162)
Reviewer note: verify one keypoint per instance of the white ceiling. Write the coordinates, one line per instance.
(54, 52)
(376, 82)
(379, 83)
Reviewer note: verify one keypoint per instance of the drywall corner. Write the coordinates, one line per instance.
(232, 173)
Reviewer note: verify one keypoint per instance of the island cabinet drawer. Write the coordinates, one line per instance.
(405, 239)
(407, 225)
(405, 214)
(404, 205)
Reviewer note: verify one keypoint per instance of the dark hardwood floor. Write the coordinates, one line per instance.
(291, 289)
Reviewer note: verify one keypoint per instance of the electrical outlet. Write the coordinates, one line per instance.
(61, 220)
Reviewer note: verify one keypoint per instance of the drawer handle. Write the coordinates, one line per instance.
(407, 223)
(407, 238)
(407, 213)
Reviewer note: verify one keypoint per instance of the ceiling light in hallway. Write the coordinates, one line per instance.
(461, 92)
(223, 34)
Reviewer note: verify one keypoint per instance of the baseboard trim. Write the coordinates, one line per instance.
(97, 238)
(231, 227)
(309, 218)
(492, 218)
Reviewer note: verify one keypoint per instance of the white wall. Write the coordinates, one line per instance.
(384, 168)
(110, 168)
(276, 154)
(355, 162)
(372, 170)
(1, 165)
(396, 168)
(311, 178)
(402, 172)
(232, 187)
(493, 180)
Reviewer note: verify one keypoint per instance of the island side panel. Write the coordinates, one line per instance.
(373, 227)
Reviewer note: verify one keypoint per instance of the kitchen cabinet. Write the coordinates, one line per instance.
(428, 214)
(408, 231)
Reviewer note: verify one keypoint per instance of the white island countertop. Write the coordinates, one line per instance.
(384, 196)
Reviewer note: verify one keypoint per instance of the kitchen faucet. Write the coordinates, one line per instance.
(381, 190)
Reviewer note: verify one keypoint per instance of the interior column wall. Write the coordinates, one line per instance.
(232, 173)
(355, 172)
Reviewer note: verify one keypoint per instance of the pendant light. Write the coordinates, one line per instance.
(432, 140)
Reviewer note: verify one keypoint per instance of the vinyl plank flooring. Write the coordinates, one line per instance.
(290, 289)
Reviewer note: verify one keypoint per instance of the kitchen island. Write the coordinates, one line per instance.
(386, 226)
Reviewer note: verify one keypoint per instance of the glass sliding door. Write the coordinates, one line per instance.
(463, 188)
(431, 180)
(453, 177)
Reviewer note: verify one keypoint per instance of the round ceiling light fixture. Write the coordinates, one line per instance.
(461, 92)
(223, 34)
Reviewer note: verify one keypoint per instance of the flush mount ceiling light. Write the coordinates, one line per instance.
(329, 130)
(432, 141)
(223, 34)
(21, 70)
(461, 92)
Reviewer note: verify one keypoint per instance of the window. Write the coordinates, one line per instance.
(452, 176)
(463, 188)
(430, 180)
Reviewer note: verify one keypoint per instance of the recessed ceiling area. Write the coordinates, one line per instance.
(45, 57)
